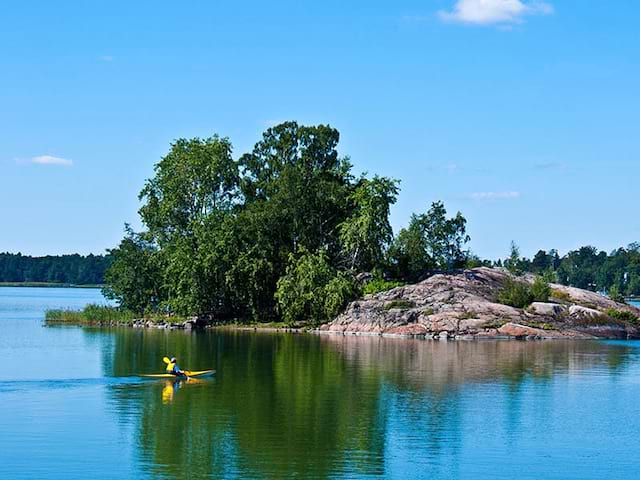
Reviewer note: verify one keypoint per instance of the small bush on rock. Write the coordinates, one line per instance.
(540, 290)
(623, 315)
(379, 284)
(516, 294)
(616, 295)
(399, 304)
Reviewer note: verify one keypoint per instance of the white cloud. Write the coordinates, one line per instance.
(51, 160)
(493, 195)
(487, 12)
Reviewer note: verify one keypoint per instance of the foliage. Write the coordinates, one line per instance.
(311, 289)
(195, 187)
(591, 269)
(134, 278)
(64, 269)
(431, 241)
(379, 284)
(399, 304)
(92, 313)
(277, 234)
(516, 294)
(514, 264)
(540, 289)
(623, 315)
(366, 234)
(473, 261)
(615, 295)
(338, 292)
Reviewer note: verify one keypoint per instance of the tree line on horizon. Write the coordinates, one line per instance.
(616, 273)
(63, 269)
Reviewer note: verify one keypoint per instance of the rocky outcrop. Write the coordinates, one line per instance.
(463, 305)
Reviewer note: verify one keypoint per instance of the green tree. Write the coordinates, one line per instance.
(579, 268)
(514, 263)
(616, 295)
(366, 234)
(134, 279)
(194, 189)
(540, 289)
(311, 289)
(431, 241)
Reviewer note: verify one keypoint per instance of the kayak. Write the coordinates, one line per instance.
(188, 373)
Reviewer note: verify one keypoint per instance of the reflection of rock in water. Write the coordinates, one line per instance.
(440, 365)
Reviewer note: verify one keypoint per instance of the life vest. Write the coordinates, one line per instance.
(171, 367)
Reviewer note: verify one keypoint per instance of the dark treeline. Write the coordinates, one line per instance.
(69, 269)
(279, 233)
(617, 272)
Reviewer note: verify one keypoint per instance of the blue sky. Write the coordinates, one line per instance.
(522, 115)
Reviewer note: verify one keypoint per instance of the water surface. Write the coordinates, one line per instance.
(303, 405)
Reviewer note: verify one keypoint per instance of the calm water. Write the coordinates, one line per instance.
(302, 405)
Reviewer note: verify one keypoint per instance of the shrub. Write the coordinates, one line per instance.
(623, 315)
(540, 290)
(616, 295)
(338, 292)
(399, 304)
(516, 294)
(379, 284)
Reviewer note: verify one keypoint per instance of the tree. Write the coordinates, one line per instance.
(223, 232)
(311, 289)
(514, 264)
(69, 269)
(366, 234)
(195, 188)
(579, 268)
(195, 179)
(408, 254)
(431, 241)
(134, 279)
(295, 180)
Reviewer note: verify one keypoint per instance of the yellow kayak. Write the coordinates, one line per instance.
(188, 373)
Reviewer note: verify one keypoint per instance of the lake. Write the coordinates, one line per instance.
(298, 405)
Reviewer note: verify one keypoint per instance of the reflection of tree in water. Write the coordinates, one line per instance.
(281, 405)
(285, 405)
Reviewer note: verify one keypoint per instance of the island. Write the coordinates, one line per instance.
(465, 305)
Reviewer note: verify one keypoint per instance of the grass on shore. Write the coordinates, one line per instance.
(91, 314)
(106, 315)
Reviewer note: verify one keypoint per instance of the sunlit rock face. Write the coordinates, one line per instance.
(464, 305)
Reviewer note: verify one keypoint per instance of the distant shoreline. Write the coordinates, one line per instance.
(47, 285)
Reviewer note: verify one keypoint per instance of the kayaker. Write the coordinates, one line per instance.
(173, 368)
